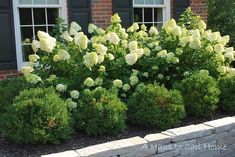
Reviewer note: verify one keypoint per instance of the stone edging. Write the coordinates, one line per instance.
(210, 139)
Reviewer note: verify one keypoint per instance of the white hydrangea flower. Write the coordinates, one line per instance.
(162, 54)
(229, 55)
(229, 49)
(147, 51)
(133, 45)
(135, 72)
(179, 51)
(113, 38)
(100, 31)
(89, 82)
(124, 43)
(220, 57)
(56, 58)
(213, 36)
(130, 29)
(131, 58)
(186, 73)
(71, 104)
(177, 31)
(146, 74)
(99, 81)
(218, 48)
(185, 40)
(92, 28)
(33, 78)
(209, 48)
(155, 67)
(115, 18)
(110, 56)
(138, 52)
(33, 58)
(195, 33)
(169, 24)
(195, 44)
(100, 58)
(222, 70)
(90, 59)
(202, 25)
(224, 40)
(81, 41)
(160, 76)
(117, 83)
(63, 55)
(153, 31)
(26, 70)
(231, 71)
(135, 26)
(134, 80)
(204, 72)
(102, 68)
(61, 87)
(74, 28)
(74, 94)
(101, 49)
(65, 35)
(47, 43)
(35, 45)
(126, 87)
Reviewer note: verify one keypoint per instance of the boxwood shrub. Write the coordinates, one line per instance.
(37, 115)
(201, 94)
(101, 112)
(227, 96)
(155, 106)
(10, 88)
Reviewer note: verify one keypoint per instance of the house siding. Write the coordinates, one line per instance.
(101, 11)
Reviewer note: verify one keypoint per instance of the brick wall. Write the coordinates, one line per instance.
(101, 11)
(199, 8)
(8, 74)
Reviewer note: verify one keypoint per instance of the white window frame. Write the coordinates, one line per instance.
(62, 6)
(166, 10)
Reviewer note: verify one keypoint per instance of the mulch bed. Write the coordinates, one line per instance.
(80, 140)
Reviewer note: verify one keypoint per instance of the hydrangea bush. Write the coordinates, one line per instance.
(124, 58)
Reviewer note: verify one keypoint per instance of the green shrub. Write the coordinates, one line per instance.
(155, 106)
(227, 96)
(101, 112)
(10, 88)
(201, 94)
(37, 115)
(221, 17)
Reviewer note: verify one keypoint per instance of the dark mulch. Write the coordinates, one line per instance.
(80, 140)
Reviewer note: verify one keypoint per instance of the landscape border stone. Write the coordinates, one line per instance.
(211, 139)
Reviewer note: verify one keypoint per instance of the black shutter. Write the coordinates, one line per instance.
(179, 7)
(7, 36)
(125, 10)
(80, 12)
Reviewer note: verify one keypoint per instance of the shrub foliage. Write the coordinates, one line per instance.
(201, 94)
(155, 106)
(37, 115)
(101, 112)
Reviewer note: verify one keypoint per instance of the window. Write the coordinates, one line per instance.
(32, 16)
(151, 12)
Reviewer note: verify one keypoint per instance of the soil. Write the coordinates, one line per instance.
(81, 139)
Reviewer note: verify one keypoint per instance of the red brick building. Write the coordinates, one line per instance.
(21, 19)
